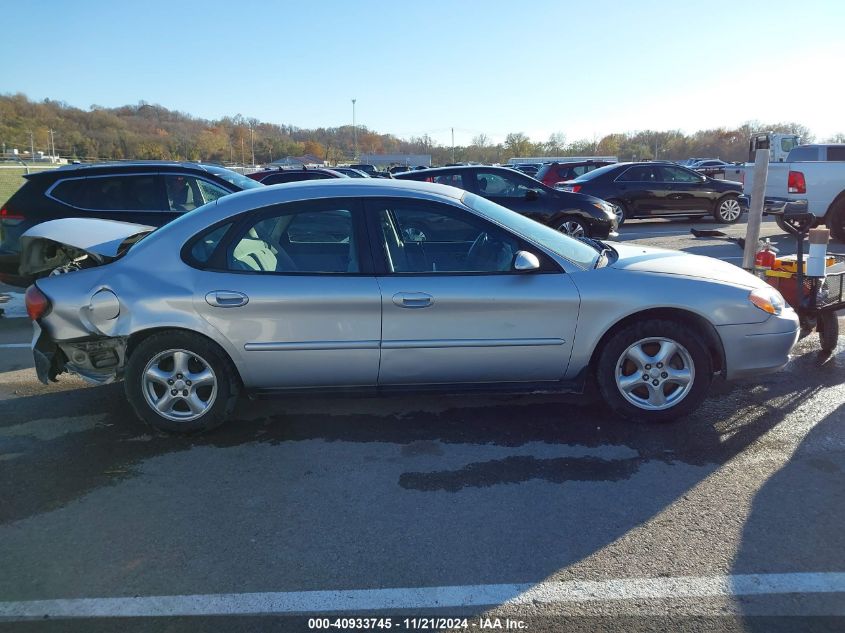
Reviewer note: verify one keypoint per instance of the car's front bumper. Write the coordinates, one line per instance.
(752, 349)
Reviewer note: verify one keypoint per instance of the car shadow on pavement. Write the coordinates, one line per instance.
(796, 526)
(432, 479)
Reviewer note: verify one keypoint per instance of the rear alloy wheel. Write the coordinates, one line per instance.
(572, 228)
(654, 371)
(180, 382)
(728, 210)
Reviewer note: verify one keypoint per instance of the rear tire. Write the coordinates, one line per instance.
(728, 210)
(181, 382)
(672, 357)
(827, 326)
(836, 220)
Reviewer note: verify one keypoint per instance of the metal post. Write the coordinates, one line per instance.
(755, 209)
(354, 131)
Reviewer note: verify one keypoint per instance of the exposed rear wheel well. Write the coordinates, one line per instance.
(688, 319)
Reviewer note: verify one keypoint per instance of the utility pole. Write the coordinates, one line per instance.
(354, 131)
(52, 147)
(252, 142)
(453, 145)
(31, 147)
(243, 160)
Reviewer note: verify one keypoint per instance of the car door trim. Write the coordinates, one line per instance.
(310, 345)
(471, 342)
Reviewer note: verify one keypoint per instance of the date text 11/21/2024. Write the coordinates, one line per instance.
(416, 624)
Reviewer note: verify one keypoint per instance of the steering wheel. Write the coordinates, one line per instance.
(478, 251)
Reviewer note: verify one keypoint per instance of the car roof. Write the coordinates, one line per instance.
(117, 166)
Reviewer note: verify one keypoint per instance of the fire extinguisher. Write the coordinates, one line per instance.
(765, 258)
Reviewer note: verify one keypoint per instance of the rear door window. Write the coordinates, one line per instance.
(638, 173)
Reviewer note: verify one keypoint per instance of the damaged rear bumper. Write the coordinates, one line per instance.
(98, 361)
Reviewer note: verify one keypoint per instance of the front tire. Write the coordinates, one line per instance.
(728, 210)
(654, 371)
(180, 382)
(619, 210)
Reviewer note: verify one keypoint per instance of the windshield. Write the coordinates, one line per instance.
(232, 177)
(596, 173)
(573, 250)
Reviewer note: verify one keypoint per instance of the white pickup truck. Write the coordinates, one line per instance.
(815, 173)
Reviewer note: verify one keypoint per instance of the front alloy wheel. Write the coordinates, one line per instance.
(654, 370)
(572, 228)
(655, 373)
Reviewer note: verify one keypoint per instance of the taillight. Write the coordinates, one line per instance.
(37, 303)
(796, 183)
(5, 214)
(576, 188)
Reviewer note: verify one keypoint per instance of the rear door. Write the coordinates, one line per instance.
(453, 308)
(641, 189)
(290, 290)
(512, 190)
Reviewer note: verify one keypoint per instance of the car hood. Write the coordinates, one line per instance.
(668, 262)
(51, 244)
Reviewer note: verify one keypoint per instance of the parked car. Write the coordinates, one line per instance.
(147, 192)
(352, 173)
(316, 286)
(527, 168)
(574, 214)
(552, 173)
(656, 189)
(366, 168)
(295, 175)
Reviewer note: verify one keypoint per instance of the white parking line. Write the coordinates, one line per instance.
(14, 345)
(303, 602)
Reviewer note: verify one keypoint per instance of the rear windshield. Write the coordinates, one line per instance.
(596, 173)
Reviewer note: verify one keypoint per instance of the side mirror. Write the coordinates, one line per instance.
(525, 261)
(532, 194)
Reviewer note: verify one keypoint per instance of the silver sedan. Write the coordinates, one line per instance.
(380, 285)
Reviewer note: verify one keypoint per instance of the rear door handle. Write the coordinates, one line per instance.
(412, 300)
(226, 299)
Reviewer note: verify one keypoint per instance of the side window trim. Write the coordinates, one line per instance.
(243, 221)
(374, 206)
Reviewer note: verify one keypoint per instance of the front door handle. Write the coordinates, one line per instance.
(226, 299)
(412, 300)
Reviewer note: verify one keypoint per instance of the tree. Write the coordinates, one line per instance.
(517, 144)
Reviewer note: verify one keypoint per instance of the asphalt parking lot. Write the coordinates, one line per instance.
(533, 508)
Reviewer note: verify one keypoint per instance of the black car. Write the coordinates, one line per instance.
(640, 190)
(571, 213)
(296, 175)
(553, 173)
(145, 192)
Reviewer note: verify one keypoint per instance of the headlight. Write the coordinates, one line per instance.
(768, 300)
(603, 206)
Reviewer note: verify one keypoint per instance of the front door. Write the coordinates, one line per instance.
(453, 308)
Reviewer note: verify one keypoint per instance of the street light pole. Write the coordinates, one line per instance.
(354, 130)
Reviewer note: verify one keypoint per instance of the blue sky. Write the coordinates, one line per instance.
(581, 68)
